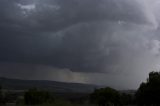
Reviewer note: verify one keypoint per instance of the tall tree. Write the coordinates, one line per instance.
(2, 99)
(1, 96)
(105, 96)
(149, 92)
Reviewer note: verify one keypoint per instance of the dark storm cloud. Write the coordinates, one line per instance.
(55, 15)
(86, 36)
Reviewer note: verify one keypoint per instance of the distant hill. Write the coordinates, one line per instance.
(18, 84)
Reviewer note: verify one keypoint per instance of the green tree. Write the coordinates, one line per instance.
(149, 92)
(126, 99)
(34, 97)
(105, 96)
(2, 98)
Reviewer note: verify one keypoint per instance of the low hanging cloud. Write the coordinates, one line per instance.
(84, 37)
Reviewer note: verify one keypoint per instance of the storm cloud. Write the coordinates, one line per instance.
(91, 39)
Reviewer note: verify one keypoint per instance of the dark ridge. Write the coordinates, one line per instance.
(18, 84)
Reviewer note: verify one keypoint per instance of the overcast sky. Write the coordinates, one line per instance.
(105, 42)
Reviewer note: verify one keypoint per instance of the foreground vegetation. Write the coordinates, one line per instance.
(147, 95)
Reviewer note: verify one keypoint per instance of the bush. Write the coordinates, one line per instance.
(2, 98)
(105, 96)
(34, 97)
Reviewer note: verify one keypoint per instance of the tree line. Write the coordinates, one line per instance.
(109, 97)
(148, 94)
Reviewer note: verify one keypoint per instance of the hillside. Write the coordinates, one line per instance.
(18, 84)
